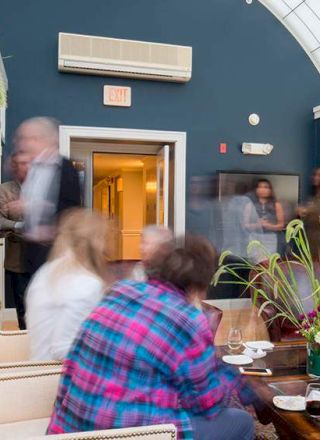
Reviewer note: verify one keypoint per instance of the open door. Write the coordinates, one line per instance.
(163, 186)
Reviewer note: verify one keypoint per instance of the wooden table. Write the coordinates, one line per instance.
(288, 364)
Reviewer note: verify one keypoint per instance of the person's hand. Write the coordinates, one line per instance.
(18, 226)
(265, 224)
(15, 208)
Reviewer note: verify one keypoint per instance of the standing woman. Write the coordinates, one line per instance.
(270, 220)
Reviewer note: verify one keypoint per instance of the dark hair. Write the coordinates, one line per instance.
(191, 265)
(272, 197)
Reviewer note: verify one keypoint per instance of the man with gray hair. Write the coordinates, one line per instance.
(154, 240)
(52, 185)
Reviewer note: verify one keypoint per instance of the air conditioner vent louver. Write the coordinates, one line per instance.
(110, 56)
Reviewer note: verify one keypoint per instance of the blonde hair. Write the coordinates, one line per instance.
(84, 235)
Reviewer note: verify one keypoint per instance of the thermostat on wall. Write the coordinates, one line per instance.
(261, 149)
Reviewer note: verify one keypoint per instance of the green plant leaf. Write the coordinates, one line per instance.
(223, 257)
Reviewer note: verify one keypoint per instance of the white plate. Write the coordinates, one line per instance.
(263, 345)
(254, 354)
(290, 403)
(240, 359)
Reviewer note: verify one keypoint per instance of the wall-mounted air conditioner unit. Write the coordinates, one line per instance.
(124, 58)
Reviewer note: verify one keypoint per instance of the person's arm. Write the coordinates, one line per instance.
(247, 222)
(275, 227)
(6, 224)
(204, 383)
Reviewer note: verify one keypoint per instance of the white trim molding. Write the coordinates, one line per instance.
(316, 112)
(176, 138)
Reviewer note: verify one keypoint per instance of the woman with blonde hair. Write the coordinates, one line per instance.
(64, 290)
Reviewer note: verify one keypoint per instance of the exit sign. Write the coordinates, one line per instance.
(117, 96)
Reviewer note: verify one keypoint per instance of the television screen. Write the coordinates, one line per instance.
(286, 186)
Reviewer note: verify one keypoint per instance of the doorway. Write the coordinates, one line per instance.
(125, 190)
(168, 184)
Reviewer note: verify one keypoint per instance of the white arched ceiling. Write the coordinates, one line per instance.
(302, 19)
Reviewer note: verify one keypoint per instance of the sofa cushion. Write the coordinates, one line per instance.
(23, 430)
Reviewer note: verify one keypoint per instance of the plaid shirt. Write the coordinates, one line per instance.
(144, 356)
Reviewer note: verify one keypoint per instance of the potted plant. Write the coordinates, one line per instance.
(281, 288)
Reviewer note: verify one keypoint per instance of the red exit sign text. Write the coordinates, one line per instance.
(117, 96)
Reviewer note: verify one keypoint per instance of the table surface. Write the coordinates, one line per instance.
(288, 365)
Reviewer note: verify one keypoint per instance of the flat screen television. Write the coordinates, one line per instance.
(286, 186)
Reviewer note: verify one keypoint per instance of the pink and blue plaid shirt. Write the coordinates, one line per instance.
(144, 356)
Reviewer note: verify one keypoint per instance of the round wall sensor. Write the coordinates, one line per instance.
(249, 2)
(254, 119)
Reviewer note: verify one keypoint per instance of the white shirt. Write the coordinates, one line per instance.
(40, 192)
(56, 305)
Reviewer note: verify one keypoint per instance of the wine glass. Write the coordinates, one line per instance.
(313, 400)
(234, 339)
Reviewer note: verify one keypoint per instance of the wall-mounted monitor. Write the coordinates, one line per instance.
(286, 186)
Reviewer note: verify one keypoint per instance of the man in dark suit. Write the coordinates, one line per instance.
(52, 186)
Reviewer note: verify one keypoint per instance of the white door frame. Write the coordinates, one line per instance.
(178, 139)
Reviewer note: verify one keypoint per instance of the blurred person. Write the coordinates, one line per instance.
(11, 227)
(204, 208)
(270, 217)
(65, 289)
(52, 185)
(236, 236)
(310, 214)
(145, 356)
(153, 239)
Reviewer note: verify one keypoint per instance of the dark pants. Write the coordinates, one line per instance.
(230, 424)
(36, 256)
(19, 283)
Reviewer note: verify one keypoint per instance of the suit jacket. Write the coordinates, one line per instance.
(69, 192)
(15, 245)
(68, 197)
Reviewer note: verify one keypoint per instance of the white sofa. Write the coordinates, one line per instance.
(26, 402)
(25, 366)
(155, 432)
(14, 346)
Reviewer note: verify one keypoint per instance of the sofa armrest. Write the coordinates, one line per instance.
(28, 395)
(154, 432)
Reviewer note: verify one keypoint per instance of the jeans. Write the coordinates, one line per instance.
(19, 283)
(230, 424)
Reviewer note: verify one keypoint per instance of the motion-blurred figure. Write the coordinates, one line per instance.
(11, 226)
(310, 214)
(270, 217)
(236, 236)
(65, 289)
(52, 185)
(204, 209)
(155, 240)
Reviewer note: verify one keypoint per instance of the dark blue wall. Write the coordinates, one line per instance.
(244, 61)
